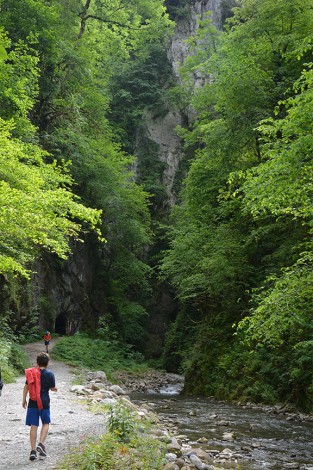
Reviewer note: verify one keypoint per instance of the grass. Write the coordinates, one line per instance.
(96, 354)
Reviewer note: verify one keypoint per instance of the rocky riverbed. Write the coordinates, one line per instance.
(205, 434)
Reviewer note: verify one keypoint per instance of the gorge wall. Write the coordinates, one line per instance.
(161, 130)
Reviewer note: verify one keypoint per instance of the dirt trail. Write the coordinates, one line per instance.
(71, 421)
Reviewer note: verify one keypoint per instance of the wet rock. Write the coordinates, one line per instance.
(194, 459)
(203, 455)
(226, 454)
(228, 436)
(256, 444)
(213, 453)
(202, 440)
(291, 417)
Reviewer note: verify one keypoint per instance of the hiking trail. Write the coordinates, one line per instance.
(71, 421)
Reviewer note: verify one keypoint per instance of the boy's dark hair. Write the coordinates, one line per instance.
(43, 359)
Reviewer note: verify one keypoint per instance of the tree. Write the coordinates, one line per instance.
(38, 209)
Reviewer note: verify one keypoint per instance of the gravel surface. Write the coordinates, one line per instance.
(71, 420)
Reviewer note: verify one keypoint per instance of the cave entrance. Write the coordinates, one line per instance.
(60, 324)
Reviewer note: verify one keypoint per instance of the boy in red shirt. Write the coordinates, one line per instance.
(39, 381)
(47, 339)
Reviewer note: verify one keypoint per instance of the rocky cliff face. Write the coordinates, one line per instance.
(188, 26)
(162, 129)
(63, 291)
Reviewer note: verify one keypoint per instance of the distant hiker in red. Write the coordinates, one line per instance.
(47, 339)
(39, 381)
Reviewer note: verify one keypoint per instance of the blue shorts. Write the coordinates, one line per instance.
(33, 415)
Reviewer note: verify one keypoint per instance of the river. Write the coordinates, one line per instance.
(263, 440)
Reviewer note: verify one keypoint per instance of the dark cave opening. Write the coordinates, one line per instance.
(60, 324)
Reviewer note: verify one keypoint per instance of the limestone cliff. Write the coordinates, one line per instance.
(161, 130)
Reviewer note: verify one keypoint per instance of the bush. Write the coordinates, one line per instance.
(13, 359)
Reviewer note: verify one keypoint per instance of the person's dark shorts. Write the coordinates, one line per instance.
(47, 343)
(33, 415)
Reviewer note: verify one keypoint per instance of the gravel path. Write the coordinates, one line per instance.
(71, 420)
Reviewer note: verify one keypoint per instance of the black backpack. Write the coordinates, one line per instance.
(1, 383)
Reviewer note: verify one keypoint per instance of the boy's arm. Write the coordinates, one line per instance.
(53, 388)
(25, 392)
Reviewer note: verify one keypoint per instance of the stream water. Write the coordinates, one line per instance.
(264, 440)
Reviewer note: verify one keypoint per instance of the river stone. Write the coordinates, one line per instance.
(194, 459)
(98, 376)
(171, 456)
(213, 452)
(228, 436)
(97, 386)
(117, 389)
(201, 454)
(180, 463)
(291, 465)
(169, 466)
(173, 445)
(78, 388)
(108, 401)
(202, 440)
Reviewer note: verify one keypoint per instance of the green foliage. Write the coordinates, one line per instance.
(13, 359)
(37, 208)
(120, 422)
(283, 312)
(241, 239)
(282, 184)
(178, 9)
(95, 354)
(127, 446)
(137, 85)
(56, 90)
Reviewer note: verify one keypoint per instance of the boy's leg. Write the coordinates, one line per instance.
(33, 436)
(45, 419)
(44, 433)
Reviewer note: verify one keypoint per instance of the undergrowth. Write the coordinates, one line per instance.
(13, 359)
(126, 446)
(97, 354)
